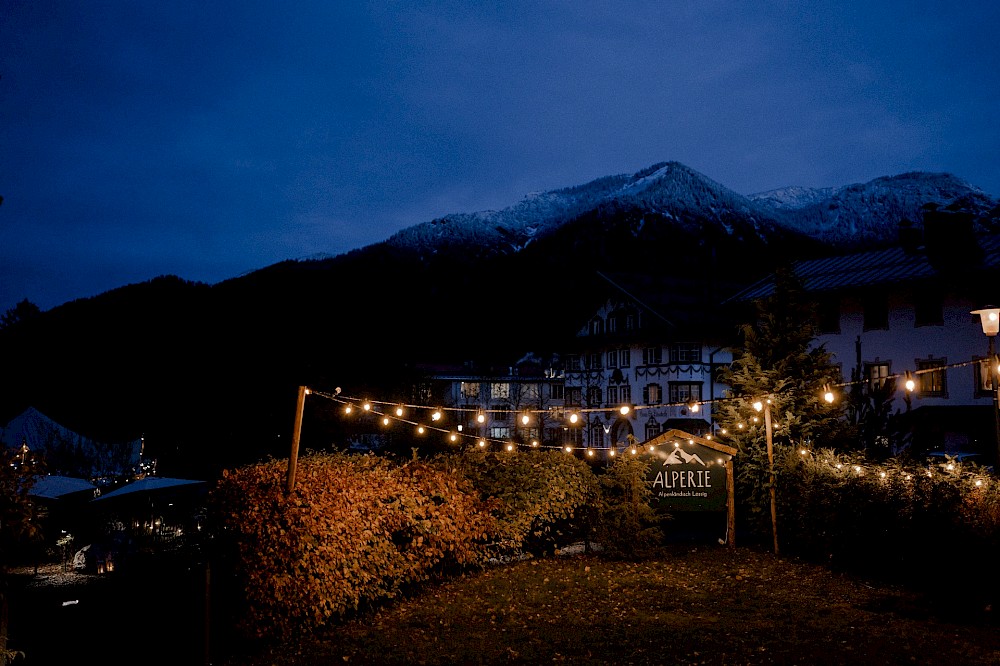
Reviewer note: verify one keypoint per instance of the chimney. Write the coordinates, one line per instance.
(910, 237)
(949, 240)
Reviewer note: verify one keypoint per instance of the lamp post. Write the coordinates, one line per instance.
(990, 319)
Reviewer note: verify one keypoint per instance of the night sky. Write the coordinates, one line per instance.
(208, 139)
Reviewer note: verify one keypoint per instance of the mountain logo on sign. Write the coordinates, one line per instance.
(678, 457)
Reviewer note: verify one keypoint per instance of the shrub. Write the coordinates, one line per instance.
(356, 529)
(540, 499)
(896, 520)
(629, 526)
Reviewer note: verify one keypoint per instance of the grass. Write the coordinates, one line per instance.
(691, 605)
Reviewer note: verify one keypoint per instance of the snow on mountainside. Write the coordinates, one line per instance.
(870, 212)
(849, 215)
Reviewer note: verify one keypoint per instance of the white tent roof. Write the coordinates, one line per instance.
(54, 487)
(147, 484)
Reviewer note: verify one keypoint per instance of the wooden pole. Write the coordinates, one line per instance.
(296, 432)
(730, 505)
(770, 466)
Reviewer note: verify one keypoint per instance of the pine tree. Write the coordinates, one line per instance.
(780, 361)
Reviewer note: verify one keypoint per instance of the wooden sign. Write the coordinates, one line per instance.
(690, 473)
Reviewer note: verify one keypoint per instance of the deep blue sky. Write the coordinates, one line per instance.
(207, 139)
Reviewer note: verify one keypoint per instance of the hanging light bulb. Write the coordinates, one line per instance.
(909, 384)
(480, 417)
(534, 443)
(694, 407)
(828, 393)
(385, 420)
(758, 405)
(510, 447)
(525, 419)
(436, 416)
(624, 409)
(482, 443)
(568, 449)
(574, 417)
(348, 409)
(399, 411)
(366, 406)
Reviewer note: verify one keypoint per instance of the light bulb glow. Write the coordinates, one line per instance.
(758, 405)
(624, 409)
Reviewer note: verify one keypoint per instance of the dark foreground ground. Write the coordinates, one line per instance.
(692, 605)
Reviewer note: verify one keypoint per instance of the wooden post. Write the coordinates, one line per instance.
(296, 432)
(770, 466)
(730, 505)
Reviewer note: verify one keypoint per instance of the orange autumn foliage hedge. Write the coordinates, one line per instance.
(356, 529)
(360, 529)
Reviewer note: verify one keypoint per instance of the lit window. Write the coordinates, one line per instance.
(932, 378)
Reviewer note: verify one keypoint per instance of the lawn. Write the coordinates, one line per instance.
(691, 605)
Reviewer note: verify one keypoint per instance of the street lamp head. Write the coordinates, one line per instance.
(990, 319)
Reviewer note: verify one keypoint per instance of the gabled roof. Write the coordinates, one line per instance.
(873, 268)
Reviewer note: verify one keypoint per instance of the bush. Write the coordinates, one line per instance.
(356, 529)
(629, 527)
(901, 521)
(540, 499)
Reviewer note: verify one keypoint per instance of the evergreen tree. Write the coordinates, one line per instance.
(780, 361)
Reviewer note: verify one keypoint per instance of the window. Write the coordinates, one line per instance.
(928, 308)
(501, 413)
(470, 390)
(573, 362)
(984, 380)
(612, 324)
(596, 435)
(422, 393)
(594, 361)
(594, 396)
(500, 432)
(530, 392)
(612, 395)
(573, 436)
(629, 322)
(651, 394)
(624, 358)
(652, 428)
(500, 390)
(625, 394)
(828, 315)
(685, 391)
(613, 358)
(652, 356)
(556, 391)
(932, 377)
(596, 326)
(685, 352)
(574, 395)
(876, 312)
(876, 373)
